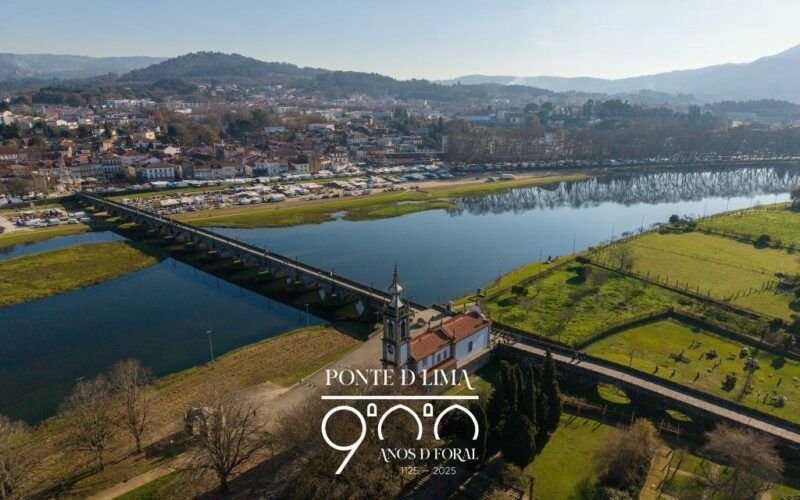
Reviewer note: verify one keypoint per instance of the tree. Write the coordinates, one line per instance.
(551, 390)
(674, 218)
(519, 440)
(795, 194)
(623, 460)
(88, 412)
(510, 387)
(14, 467)
(527, 404)
(751, 462)
(622, 256)
(229, 436)
(483, 430)
(130, 381)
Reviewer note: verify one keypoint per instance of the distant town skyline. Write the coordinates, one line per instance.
(433, 40)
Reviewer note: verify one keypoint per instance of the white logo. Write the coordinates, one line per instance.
(372, 411)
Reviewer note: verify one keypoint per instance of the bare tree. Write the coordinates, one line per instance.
(624, 458)
(14, 467)
(622, 256)
(89, 414)
(229, 435)
(750, 462)
(130, 381)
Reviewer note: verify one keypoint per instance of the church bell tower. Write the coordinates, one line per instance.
(396, 319)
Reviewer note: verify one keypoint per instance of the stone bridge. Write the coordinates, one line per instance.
(287, 268)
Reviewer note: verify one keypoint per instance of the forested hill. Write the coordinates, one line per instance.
(217, 65)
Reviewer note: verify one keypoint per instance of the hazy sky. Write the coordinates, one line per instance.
(417, 38)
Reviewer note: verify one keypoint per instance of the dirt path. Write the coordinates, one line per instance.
(659, 468)
(273, 398)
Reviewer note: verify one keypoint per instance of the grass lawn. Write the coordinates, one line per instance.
(686, 483)
(613, 394)
(568, 458)
(652, 345)
(48, 273)
(715, 263)
(780, 224)
(32, 235)
(265, 215)
(261, 369)
(566, 307)
(482, 381)
(162, 487)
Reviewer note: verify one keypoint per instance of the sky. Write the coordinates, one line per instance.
(432, 39)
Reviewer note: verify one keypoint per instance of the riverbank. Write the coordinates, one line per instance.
(32, 235)
(261, 371)
(428, 196)
(39, 275)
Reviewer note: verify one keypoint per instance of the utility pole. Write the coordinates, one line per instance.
(210, 344)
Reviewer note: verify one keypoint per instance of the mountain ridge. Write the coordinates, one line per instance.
(67, 66)
(770, 77)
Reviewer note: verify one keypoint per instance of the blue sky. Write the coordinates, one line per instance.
(415, 38)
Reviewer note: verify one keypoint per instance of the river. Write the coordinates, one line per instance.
(160, 314)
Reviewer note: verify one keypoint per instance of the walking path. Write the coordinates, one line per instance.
(668, 393)
(274, 403)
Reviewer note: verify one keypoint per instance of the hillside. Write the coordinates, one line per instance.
(771, 77)
(217, 65)
(54, 66)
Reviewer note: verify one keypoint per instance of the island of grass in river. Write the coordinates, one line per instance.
(24, 236)
(366, 207)
(684, 354)
(48, 273)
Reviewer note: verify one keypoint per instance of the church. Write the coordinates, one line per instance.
(431, 339)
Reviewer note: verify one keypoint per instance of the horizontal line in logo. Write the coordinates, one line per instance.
(397, 398)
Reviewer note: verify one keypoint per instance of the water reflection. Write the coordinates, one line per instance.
(629, 189)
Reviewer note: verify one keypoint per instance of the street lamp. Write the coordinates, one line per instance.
(210, 344)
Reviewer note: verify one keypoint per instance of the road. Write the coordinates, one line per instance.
(668, 393)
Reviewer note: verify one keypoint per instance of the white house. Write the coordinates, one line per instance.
(157, 171)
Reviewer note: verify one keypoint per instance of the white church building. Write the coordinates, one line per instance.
(430, 339)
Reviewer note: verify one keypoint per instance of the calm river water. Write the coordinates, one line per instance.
(160, 315)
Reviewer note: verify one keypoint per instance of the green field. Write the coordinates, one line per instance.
(780, 223)
(652, 345)
(48, 273)
(567, 461)
(40, 233)
(356, 208)
(724, 266)
(566, 307)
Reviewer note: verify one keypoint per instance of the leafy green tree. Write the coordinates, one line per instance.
(527, 403)
(483, 430)
(542, 408)
(551, 390)
(519, 440)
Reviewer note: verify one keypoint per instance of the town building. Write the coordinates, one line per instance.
(431, 339)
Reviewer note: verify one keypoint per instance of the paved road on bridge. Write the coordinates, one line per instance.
(666, 392)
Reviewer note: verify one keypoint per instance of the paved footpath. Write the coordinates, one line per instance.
(669, 393)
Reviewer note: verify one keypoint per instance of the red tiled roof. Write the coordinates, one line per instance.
(450, 331)
(427, 343)
(461, 327)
